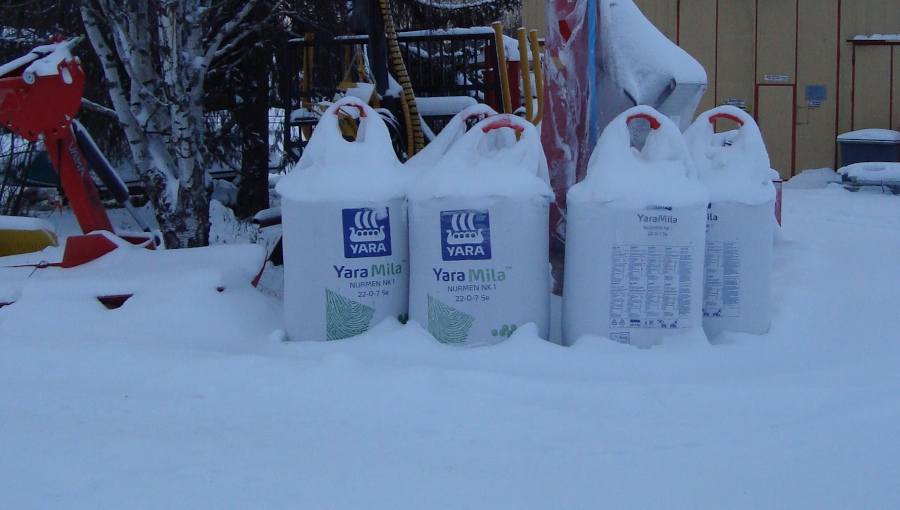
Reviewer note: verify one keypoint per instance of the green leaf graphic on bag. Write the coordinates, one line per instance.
(345, 318)
(448, 325)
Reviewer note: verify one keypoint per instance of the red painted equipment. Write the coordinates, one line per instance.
(40, 93)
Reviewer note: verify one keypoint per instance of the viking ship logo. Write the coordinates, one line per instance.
(367, 232)
(367, 229)
(465, 235)
(464, 231)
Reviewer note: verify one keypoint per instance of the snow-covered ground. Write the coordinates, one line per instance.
(188, 399)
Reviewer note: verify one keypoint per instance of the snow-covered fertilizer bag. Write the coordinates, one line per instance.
(478, 236)
(346, 262)
(452, 132)
(739, 222)
(635, 240)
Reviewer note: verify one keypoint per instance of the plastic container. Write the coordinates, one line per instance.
(478, 233)
(740, 223)
(636, 238)
(869, 145)
(344, 221)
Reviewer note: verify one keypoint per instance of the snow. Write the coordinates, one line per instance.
(872, 173)
(488, 163)
(452, 132)
(23, 223)
(43, 60)
(661, 174)
(186, 398)
(872, 135)
(643, 54)
(737, 171)
(444, 105)
(332, 168)
(877, 37)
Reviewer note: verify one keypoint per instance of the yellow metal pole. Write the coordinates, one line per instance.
(501, 65)
(525, 70)
(538, 76)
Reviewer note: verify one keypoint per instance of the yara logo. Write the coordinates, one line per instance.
(465, 235)
(463, 229)
(367, 232)
(367, 229)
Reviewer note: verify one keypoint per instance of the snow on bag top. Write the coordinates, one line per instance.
(662, 174)
(489, 161)
(642, 54)
(737, 171)
(332, 168)
(452, 132)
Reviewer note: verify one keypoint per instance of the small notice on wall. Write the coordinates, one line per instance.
(777, 77)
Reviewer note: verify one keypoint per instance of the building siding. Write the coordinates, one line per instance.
(748, 47)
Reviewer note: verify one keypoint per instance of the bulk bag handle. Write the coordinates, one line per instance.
(333, 168)
(662, 172)
(525, 148)
(664, 142)
(748, 142)
(739, 171)
(749, 139)
(654, 122)
(721, 115)
(327, 146)
(452, 132)
(490, 149)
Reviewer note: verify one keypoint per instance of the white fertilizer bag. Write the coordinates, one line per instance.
(635, 240)
(478, 235)
(452, 132)
(346, 263)
(739, 225)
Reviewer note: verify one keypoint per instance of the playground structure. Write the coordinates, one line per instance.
(445, 71)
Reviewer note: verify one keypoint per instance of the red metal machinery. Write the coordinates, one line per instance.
(40, 93)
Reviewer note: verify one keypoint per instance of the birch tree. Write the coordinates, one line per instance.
(156, 56)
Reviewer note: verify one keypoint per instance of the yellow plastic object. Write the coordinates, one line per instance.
(17, 242)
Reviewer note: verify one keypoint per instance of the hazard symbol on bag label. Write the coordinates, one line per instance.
(367, 232)
(465, 235)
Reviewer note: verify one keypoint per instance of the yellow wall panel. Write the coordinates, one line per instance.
(698, 37)
(775, 117)
(776, 38)
(663, 15)
(872, 87)
(817, 65)
(895, 93)
(736, 50)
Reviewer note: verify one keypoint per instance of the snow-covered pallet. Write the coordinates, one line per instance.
(867, 174)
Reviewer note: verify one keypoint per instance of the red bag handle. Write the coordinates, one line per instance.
(502, 121)
(654, 122)
(714, 118)
(362, 112)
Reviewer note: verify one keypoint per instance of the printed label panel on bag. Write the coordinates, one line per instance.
(722, 283)
(367, 232)
(465, 235)
(651, 286)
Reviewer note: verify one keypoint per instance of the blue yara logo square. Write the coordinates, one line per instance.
(465, 235)
(367, 232)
